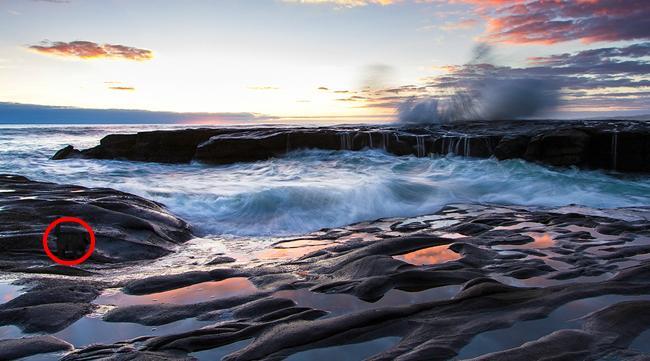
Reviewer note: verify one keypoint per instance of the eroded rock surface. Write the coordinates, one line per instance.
(434, 282)
(620, 145)
(127, 227)
(17, 348)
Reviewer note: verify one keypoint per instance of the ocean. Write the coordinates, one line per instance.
(310, 189)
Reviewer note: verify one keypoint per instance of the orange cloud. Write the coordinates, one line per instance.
(91, 50)
(463, 24)
(549, 22)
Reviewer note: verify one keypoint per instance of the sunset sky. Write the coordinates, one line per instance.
(317, 58)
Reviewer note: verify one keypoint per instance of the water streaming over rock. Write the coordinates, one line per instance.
(307, 190)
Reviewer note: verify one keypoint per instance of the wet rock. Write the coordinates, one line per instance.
(221, 260)
(50, 317)
(559, 148)
(127, 227)
(262, 307)
(593, 144)
(66, 152)
(155, 284)
(560, 345)
(49, 308)
(11, 349)
(160, 314)
(511, 147)
(469, 229)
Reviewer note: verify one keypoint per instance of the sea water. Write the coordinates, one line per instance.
(309, 189)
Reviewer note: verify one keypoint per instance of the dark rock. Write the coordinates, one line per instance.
(127, 227)
(469, 229)
(221, 260)
(511, 147)
(66, 152)
(11, 349)
(559, 148)
(623, 146)
(155, 284)
(49, 307)
(160, 314)
(49, 317)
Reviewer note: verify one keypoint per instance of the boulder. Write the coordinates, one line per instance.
(126, 227)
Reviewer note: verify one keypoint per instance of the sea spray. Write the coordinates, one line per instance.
(486, 95)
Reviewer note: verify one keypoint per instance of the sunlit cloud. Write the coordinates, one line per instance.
(91, 50)
(459, 25)
(263, 87)
(122, 88)
(549, 22)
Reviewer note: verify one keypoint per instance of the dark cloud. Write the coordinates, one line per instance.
(15, 113)
(603, 77)
(91, 50)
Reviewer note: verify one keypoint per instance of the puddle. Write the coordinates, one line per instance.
(340, 303)
(428, 256)
(564, 317)
(350, 352)
(200, 292)
(219, 352)
(10, 331)
(288, 253)
(8, 291)
(642, 342)
(540, 240)
(89, 330)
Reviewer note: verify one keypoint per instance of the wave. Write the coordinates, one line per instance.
(309, 190)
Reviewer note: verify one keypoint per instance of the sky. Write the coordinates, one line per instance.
(315, 59)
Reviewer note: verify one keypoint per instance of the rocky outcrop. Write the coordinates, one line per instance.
(387, 285)
(127, 227)
(620, 145)
(29, 346)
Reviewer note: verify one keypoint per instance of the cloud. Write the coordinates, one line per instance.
(91, 50)
(608, 77)
(16, 113)
(122, 88)
(263, 87)
(549, 22)
(460, 25)
(345, 3)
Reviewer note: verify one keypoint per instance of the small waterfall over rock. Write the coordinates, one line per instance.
(466, 146)
(346, 141)
(385, 139)
(420, 146)
(370, 145)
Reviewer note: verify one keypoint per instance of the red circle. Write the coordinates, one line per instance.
(73, 262)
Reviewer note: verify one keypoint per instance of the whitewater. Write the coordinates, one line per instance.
(309, 190)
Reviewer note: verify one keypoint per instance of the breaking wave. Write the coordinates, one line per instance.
(309, 190)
